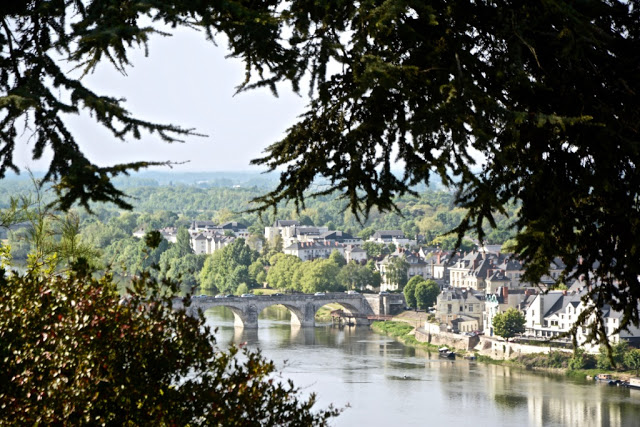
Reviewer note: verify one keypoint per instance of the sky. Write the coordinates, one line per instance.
(184, 81)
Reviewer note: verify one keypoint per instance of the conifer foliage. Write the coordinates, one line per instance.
(46, 46)
(530, 102)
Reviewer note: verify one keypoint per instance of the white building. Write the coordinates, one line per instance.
(355, 253)
(556, 312)
(308, 251)
(396, 237)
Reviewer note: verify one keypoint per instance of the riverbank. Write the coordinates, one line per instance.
(556, 362)
(403, 332)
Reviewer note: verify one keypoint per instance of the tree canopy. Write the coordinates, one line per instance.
(426, 293)
(509, 323)
(396, 273)
(409, 291)
(46, 47)
(228, 267)
(545, 92)
(79, 352)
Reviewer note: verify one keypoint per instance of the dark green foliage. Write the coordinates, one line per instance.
(228, 267)
(426, 294)
(547, 92)
(397, 271)
(509, 323)
(375, 250)
(410, 291)
(75, 351)
(338, 259)
(614, 358)
(184, 269)
(356, 276)
(632, 360)
(130, 256)
(41, 41)
(578, 360)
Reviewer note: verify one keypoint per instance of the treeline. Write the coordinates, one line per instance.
(107, 231)
(430, 214)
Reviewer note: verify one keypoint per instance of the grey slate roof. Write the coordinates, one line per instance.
(285, 223)
(380, 234)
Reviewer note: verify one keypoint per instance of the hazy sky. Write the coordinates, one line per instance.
(188, 82)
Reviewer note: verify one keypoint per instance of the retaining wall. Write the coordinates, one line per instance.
(502, 350)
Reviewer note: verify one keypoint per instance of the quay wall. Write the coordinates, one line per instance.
(433, 335)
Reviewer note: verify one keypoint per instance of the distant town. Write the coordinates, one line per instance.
(475, 285)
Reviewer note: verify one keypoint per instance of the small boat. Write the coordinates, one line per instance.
(603, 377)
(444, 352)
(634, 382)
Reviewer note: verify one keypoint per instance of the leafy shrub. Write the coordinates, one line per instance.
(554, 359)
(613, 360)
(74, 351)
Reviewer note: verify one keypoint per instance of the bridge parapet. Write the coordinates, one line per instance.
(303, 307)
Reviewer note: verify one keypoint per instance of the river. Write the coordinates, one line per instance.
(385, 383)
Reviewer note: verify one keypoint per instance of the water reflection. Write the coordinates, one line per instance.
(387, 383)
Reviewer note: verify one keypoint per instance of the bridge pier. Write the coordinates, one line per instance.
(306, 317)
(247, 318)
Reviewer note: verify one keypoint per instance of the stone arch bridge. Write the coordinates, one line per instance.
(303, 307)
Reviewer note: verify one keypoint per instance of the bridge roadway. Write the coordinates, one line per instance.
(303, 307)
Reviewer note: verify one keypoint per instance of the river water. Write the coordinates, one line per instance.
(384, 383)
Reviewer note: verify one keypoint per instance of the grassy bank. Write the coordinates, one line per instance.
(401, 331)
(324, 313)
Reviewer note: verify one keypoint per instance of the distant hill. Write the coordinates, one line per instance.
(228, 179)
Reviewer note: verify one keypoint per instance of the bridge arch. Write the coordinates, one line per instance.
(349, 308)
(297, 314)
(303, 307)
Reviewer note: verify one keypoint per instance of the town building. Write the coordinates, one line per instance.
(308, 251)
(463, 306)
(552, 314)
(341, 237)
(396, 237)
(416, 266)
(355, 253)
